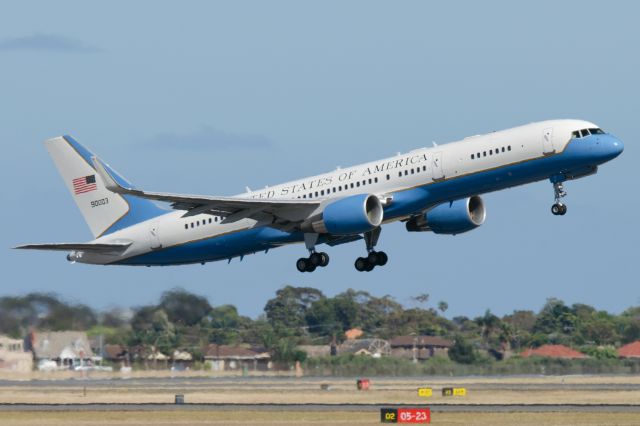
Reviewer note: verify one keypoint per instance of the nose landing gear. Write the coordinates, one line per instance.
(558, 208)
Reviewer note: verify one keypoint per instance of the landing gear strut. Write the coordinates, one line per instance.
(374, 258)
(558, 208)
(315, 259)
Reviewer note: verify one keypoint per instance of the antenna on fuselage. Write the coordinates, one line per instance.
(247, 189)
(434, 144)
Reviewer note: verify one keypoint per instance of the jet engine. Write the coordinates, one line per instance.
(451, 218)
(350, 215)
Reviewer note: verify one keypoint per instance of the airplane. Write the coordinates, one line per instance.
(433, 189)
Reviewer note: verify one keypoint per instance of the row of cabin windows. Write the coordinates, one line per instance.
(202, 222)
(491, 152)
(340, 188)
(411, 171)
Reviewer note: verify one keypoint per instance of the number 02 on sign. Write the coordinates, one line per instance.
(405, 415)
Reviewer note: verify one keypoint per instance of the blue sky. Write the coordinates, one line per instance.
(208, 97)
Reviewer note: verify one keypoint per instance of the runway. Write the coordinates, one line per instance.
(436, 408)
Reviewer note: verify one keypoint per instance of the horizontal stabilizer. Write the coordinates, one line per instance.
(85, 247)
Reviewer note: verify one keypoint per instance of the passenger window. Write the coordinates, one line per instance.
(424, 168)
(191, 224)
(478, 155)
(484, 153)
(209, 220)
(406, 172)
(472, 156)
(388, 177)
(322, 192)
(186, 226)
(351, 185)
(490, 152)
(316, 194)
(497, 150)
(509, 148)
(400, 174)
(364, 182)
(370, 181)
(375, 180)
(503, 149)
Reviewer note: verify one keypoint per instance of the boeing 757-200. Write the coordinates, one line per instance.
(430, 189)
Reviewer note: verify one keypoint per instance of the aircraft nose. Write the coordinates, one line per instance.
(614, 147)
(608, 147)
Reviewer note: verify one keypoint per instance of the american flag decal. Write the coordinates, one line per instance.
(84, 184)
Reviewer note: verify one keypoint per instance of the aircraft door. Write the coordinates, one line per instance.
(436, 166)
(154, 236)
(547, 141)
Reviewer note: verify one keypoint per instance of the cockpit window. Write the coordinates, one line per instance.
(586, 132)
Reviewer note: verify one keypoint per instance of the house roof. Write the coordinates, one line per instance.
(61, 344)
(632, 350)
(553, 351)
(353, 333)
(234, 352)
(420, 341)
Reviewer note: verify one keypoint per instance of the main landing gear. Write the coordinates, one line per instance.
(374, 258)
(315, 259)
(558, 208)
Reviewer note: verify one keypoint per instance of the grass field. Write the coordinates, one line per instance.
(178, 418)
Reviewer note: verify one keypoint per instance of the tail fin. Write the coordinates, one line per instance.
(103, 210)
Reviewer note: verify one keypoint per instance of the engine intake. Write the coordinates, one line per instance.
(451, 218)
(350, 215)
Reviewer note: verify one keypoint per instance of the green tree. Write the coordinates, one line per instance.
(286, 312)
(462, 351)
(183, 307)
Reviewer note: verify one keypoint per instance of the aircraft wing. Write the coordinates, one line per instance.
(233, 208)
(86, 247)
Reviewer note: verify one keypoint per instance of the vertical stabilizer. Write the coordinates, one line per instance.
(103, 210)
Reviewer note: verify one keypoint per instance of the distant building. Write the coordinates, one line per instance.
(225, 357)
(371, 347)
(553, 351)
(64, 348)
(315, 351)
(632, 350)
(13, 357)
(419, 347)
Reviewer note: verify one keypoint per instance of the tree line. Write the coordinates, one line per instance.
(304, 315)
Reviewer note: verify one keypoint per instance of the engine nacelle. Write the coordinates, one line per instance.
(451, 218)
(350, 215)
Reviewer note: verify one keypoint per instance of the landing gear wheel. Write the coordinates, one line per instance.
(316, 259)
(361, 264)
(325, 259)
(301, 264)
(372, 258)
(559, 209)
(311, 267)
(382, 258)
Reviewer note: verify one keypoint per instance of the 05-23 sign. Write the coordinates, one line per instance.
(405, 415)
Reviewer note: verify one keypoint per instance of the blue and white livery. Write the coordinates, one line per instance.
(430, 189)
